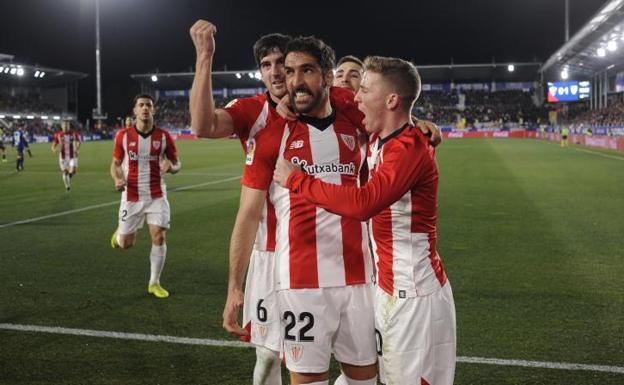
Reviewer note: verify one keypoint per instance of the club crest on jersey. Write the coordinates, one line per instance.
(262, 330)
(156, 145)
(251, 148)
(296, 351)
(348, 140)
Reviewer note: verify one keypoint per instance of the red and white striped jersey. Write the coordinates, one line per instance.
(141, 155)
(401, 198)
(250, 116)
(314, 247)
(68, 143)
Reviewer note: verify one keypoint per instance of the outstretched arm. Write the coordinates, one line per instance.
(206, 121)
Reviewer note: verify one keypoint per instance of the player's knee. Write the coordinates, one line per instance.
(309, 378)
(359, 375)
(159, 238)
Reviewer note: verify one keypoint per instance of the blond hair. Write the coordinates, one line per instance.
(399, 74)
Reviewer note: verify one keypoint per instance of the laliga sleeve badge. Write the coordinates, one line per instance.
(251, 148)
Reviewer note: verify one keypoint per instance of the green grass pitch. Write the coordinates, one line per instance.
(531, 235)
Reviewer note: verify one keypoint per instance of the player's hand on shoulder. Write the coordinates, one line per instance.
(283, 109)
(431, 130)
(202, 33)
(233, 304)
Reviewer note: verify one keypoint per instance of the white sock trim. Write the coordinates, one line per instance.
(158, 254)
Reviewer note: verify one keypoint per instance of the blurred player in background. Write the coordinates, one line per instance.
(414, 306)
(129, 122)
(20, 143)
(349, 72)
(68, 155)
(141, 156)
(2, 149)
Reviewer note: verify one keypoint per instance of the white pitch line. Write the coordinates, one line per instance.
(237, 344)
(600, 154)
(37, 219)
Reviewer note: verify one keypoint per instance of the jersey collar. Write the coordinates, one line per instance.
(320, 123)
(394, 134)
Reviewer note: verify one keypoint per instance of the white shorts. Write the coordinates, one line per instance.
(319, 322)
(133, 214)
(260, 310)
(416, 337)
(67, 163)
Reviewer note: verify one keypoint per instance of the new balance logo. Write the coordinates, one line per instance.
(296, 144)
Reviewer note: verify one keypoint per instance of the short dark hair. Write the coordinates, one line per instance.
(400, 74)
(350, 58)
(269, 43)
(314, 47)
(142, 96)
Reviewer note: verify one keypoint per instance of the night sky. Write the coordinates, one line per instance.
(140, 36)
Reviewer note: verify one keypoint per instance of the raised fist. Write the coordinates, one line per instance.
(202, 33)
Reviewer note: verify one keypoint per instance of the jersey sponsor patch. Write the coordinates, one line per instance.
(251, 148)
(328, 168)
(231, 103)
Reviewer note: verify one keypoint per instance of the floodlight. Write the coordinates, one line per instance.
(238, 75)
(17, 117)
(2, 116)
(13, 71)
(20, 72)
(41, 74)
(250, 74)
(601, 52)
(564, 74)
(611, 46)
(44, 117)
(30, 117)
(257, 75)
(511, 68)
(37, 73)
(1, 69)
(56, 117)
(154, 78)
(6, 70)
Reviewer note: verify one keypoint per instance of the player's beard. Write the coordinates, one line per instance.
(317, 98)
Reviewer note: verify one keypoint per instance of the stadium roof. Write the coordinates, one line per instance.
(19, 74)
(598, 46)
(430, 74)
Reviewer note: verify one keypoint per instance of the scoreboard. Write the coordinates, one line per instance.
(568, 91)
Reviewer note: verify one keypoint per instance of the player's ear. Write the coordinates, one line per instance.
(393, 101)
(328, 76)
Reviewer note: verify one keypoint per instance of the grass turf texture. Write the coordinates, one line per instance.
(530, 234)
